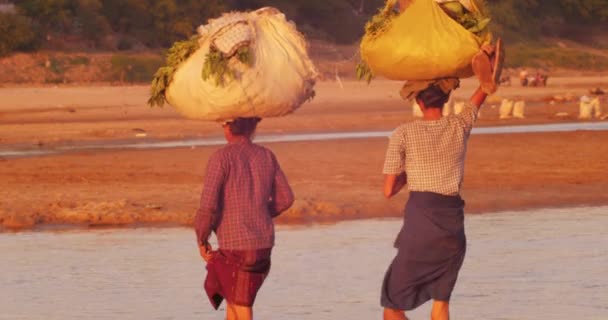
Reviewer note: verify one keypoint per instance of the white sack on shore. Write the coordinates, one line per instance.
(519, 109)
(506, 108)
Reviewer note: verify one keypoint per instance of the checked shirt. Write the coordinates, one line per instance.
(244, 189)
(431, 153)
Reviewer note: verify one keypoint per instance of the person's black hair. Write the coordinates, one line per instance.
(244, 126)
(433, 97)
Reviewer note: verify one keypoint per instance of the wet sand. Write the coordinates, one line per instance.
(333, 180)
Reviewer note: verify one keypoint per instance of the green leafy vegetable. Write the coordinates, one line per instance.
(380, 22)
(476, 23)
(217, 67)
(364, 72)
(178, 53)
(374, 28)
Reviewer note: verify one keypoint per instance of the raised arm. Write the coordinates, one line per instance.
(478, 98)
(484, 64)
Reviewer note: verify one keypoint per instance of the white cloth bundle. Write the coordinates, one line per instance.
(280, 80)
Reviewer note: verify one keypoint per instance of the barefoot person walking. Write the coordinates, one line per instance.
(428, 156)
(244, 189)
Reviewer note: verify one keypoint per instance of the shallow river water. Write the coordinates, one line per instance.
(291, 137)
(544, 264)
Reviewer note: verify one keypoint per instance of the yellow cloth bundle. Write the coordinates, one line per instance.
(421, 43)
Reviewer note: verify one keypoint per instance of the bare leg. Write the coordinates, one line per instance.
(392, 314)
(243, 313)
(230, 314)
(441, 310)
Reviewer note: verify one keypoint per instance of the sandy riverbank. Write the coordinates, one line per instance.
(50, 116)
(333, 180)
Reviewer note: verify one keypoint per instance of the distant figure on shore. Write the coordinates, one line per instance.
(244, 189)
(539, 79)
(428, 156)
(523, 78)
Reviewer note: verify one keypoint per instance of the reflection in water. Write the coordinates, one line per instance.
(294, 137)
(549, 264)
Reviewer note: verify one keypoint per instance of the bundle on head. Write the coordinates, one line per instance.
(426, 40)
(433, 97)
(243, 126)
(232, 67)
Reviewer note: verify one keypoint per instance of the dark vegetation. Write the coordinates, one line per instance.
(532, 28)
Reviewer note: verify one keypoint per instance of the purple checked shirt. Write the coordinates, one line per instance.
(244, 189)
